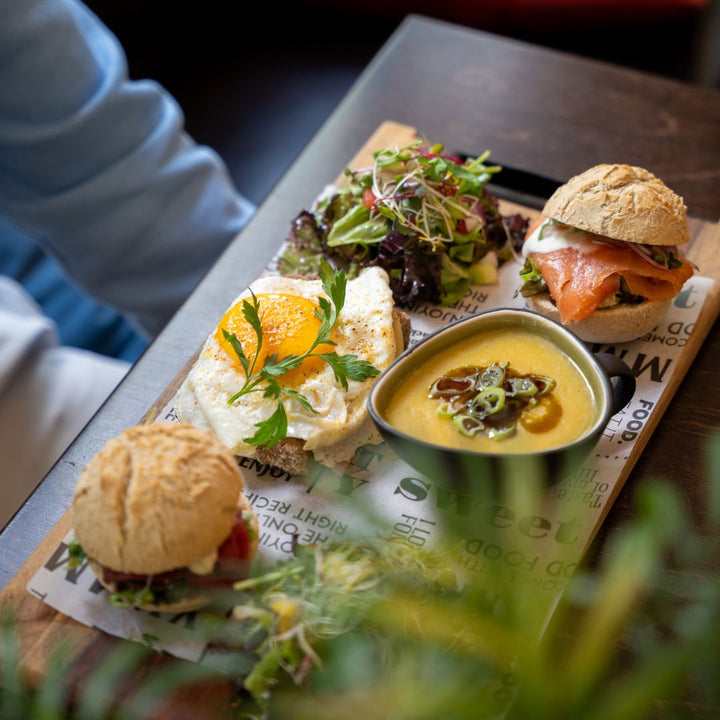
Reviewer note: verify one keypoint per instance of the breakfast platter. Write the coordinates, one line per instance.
(375, 490)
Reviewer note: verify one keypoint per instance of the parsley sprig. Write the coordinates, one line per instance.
(266, 378)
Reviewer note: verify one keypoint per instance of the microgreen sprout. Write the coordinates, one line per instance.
(324, 592)
(428, 193)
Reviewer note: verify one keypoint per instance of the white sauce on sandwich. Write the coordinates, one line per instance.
(549, 236)
(205, 565)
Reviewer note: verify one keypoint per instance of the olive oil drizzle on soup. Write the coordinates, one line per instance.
(413, 411)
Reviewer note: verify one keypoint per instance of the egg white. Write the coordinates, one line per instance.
(341, 423)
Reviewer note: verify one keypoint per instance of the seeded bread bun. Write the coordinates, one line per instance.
(623, 202)
(617, 324)
(156, 498)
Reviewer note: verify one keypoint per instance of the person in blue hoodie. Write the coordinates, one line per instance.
(98, 170)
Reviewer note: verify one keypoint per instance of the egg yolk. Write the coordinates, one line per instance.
(289, 327)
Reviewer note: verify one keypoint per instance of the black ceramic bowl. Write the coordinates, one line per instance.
(610, 380)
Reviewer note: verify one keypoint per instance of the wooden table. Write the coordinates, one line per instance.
(540, 111)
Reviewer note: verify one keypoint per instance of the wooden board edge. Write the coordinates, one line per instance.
(40, 624)
(169, 393)
(706, 319)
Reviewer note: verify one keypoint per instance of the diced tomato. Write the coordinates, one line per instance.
(233, 558)
(238, 544)
(369, 199)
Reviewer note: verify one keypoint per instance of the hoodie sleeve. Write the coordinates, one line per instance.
(99, 169)
(47, 394)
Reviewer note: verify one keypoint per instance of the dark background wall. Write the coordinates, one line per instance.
(255, 82)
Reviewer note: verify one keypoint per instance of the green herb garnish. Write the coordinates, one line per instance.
(492, 400)
(431, 195)
(673, 261)
(77, 555)
(662, 255)
(265, 379)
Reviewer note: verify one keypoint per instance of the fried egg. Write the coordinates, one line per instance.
(365, 328)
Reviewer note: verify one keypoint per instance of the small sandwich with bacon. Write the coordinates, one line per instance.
(603, 258)
(161, 516)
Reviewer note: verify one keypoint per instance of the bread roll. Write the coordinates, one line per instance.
(196, 598)
(623, 202)
(155, 498)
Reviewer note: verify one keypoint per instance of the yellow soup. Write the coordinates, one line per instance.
(413, 412)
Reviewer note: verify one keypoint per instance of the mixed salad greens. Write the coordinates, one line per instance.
(426, 217)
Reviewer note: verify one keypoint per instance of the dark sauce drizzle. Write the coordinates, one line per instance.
(494, 399)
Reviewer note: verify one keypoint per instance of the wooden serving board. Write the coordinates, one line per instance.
(42, 628)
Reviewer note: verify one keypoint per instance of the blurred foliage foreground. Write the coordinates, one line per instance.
(379, 628)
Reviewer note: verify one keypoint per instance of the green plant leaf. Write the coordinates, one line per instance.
(349, 366)
(100, 690)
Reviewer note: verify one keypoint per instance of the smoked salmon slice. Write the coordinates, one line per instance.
(580, 281)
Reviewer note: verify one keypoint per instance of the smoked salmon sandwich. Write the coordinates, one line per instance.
(603, 258)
